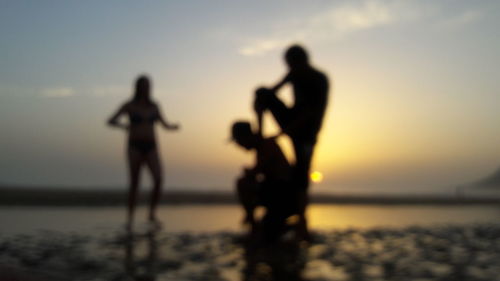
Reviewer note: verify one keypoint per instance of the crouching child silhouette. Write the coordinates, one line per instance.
(267, 184)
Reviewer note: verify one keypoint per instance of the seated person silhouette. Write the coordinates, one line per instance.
(266, 184)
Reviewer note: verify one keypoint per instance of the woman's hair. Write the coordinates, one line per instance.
(142, 89)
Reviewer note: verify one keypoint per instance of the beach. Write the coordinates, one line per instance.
(206, 242)
(414, 253)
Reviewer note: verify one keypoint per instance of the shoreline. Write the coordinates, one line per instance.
(30, 196)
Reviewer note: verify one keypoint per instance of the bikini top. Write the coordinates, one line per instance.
(136, 118)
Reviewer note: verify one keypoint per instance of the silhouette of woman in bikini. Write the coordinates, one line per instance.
(142, 113)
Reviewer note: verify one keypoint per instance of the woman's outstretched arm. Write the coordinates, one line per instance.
(114, 121)
(165, 124)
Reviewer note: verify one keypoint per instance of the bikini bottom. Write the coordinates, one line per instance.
(143, 146)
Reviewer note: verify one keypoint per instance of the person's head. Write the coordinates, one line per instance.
(262, 91)
(296, 57)
(142, 89)
(242, 134)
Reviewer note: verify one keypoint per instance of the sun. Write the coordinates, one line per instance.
(316, 177)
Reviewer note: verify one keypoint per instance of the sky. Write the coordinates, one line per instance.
(413, 104)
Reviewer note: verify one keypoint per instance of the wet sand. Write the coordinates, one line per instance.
(453, 252)
(206, 242)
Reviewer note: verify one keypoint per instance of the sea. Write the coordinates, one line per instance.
(227, 217)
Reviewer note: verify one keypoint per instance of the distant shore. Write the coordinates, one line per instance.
(31, 196)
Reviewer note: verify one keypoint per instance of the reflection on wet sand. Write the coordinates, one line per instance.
(141, 268)
(278, 261)
(454, 252)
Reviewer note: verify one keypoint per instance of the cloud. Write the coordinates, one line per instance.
(334, 22)
(262, 46)
(352, 18)
(58, 92)
(95, 92)
(462, 19)
(108, 91)
(337, 22)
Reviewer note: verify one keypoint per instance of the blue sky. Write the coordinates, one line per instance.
(414, 103)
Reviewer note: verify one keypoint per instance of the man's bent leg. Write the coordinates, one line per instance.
(281, 113)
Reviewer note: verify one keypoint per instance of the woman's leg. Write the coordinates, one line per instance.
(154, 164)
(134, 163)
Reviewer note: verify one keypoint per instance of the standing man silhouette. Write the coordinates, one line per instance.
(301, 122)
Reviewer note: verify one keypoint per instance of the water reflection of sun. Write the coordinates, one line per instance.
(316, 177)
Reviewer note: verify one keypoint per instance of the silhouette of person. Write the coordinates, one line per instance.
(143, 114)
(301, 122)
(266, 184)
